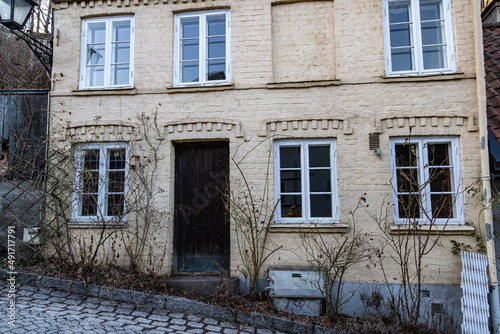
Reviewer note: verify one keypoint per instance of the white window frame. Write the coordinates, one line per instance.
(103, 182)
(417, 41)
(305, 186)
(107, 62)
(202, 48)
(423, 174)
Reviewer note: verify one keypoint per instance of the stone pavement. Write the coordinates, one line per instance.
(42, 310)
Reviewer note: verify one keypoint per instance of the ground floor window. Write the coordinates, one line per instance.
(100, 181)
(306, 181)
(426, 180)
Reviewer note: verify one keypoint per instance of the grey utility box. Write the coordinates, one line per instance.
(297, 291)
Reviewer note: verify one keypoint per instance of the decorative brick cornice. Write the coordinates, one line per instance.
(204, 126)
(101, 132)
(280, 126)
(430, 121)
(58, 4)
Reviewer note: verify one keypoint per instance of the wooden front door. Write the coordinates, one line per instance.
(201, 224)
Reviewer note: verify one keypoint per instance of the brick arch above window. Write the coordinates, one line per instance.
(101, 132)
(203, 128)
(447, 125)
(300, 127)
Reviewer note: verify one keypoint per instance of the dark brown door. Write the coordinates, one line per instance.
(201, 237)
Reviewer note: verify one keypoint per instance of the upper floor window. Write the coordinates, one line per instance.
(418, 37)
(426, 180)
(202, 47)
(100, 181)
(107, 52)
(305, 187)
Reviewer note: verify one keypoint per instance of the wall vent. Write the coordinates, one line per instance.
(437, 308)
(374, 141)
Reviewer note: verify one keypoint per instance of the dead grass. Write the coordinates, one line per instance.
(118, 278)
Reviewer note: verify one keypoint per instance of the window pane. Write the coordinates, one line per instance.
(434, 57)
(399, 11)
(319, 156)
(116, 182)
(401, 35)
(432, 33)
(96, 33)
(95, 76)
(117, 158)
(121, 53)
(402, 59)
(115, 205)
(291, 206)
(89, 205)
(216, 25)
(190, 27)
(190, 49)
(442, 206)
(95, 54)
(430, 10)
(90, 181)
(409, 206)
(216, 69)
(406, 155)
(121, 31)
(438, 154)
(321, 206)
(290, 181)
(440, 179)
(90, 159)
(120, 74)
(216, 47)
(320, 180)
(407, 180)
(190, 71)
(290, 157)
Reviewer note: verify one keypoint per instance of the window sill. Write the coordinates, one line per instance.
(434, 229)
(302, 84)
(87, 224)
(425, 77)
(191, 89)
(308, 228)
(96, 92)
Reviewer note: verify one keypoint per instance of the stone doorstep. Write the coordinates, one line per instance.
(170, 303)
(205, 284)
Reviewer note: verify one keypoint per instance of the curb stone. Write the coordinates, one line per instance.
(171, 303)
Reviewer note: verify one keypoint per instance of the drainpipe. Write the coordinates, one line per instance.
(485, 169)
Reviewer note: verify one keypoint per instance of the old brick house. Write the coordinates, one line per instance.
(328, 94)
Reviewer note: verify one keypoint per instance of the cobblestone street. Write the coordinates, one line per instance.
(40, 310)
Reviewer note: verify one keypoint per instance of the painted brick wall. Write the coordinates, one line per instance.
(274, 42)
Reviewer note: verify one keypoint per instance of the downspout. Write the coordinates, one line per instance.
(485, 169)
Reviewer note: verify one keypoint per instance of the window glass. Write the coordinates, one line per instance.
(321, 206)
(417, 36)
(202, 47)
(305, 181)
(108, 52)
(290, 157)
(425, 180)
(101, 176)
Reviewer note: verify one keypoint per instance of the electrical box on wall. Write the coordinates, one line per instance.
(297, 291)
(30, 235)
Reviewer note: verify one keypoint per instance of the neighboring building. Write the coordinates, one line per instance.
(23, 134)
(491, 41)
(288, 85)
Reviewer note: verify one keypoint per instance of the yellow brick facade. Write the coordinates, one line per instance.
(304, 69)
